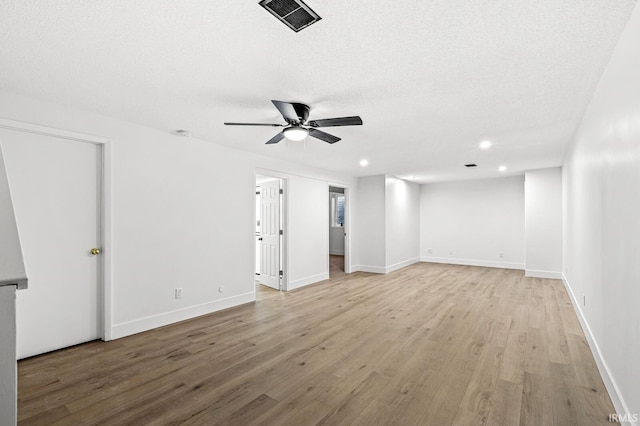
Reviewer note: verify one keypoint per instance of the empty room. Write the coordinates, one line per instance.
(285, 212)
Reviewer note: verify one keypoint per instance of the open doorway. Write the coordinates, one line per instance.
(337, 231)
(269, 233)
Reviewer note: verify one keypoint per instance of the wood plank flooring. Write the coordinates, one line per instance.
(430, 344)
(336, 266)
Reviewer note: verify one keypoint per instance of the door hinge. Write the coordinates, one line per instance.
(281, 232)
(280, 273)
(281, 191)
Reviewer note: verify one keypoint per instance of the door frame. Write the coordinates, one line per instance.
(284, 217)
(347, 225)
(105, 273)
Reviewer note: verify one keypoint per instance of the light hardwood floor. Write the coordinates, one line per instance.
(336, 266)
(430, 344)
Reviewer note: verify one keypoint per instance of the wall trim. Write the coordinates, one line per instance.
(372, 269)
(401, 265)
(534, 273)
(154, 321)
(387, 269)
(308, 280)
(23, 126)
(609, 382)
(471, 262)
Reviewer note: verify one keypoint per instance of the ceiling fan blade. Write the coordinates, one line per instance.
(333, 122)
(254, 124)
(287, 110)
(319, 134)
(277, 138)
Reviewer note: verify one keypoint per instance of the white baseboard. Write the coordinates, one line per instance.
(154, 321)
(470, 262)
(386, 270)
(401, 265)
(614, 391)
(307, 281)
(372, 269)
(336, 252)
(543, 274)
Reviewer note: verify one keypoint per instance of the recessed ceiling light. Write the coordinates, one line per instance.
(485, 144)
(502, 169)
(364, 163)
(183, 133)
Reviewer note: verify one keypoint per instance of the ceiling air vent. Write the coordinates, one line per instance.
(293, 13)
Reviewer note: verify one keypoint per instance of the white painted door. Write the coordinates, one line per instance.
(55, 189)
(270, 234)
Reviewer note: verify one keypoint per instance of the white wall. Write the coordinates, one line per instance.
(370, 224)
(543, 223)
(308, 241)
(170, 230)
(478, 220)
(601, 221)
(168, 227)
(388, 223)
(402, 223)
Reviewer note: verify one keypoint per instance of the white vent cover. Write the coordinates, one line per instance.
(295, 14)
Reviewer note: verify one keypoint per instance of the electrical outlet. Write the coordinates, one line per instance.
(452, 251)
(178, 293)
(501, 255)
(429, 251)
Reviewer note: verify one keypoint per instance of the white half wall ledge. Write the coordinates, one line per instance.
(166, 318)
(20, 283)
(302, 282)
(8, 365)
(12, 268)
(471, 262)
(554, 275)
(618, 401)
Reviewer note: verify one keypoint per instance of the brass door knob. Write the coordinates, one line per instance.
(95, 251)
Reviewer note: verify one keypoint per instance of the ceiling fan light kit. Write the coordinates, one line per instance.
(299, 126)
(295, 133)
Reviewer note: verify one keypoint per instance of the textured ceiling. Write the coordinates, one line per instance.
(430, 79)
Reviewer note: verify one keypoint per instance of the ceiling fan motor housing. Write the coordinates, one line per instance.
(302, 111)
